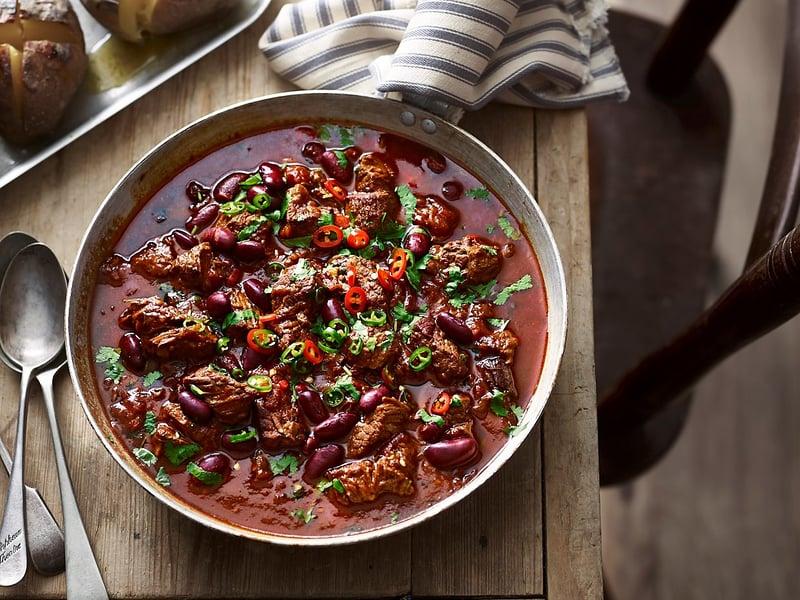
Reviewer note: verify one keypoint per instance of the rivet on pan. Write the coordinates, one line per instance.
(408, 118)
(428, 126)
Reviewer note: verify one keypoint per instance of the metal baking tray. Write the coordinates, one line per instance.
(120, 73)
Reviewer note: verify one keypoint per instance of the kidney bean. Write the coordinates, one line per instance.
(454, 328)
(197, 192)
(184, 239)
(204, 217)
(230, 362)
(335, 426)
(255, 291)
(451, 453)
(436, 162)
(452, 190)
(194, 408)
(250, 250)
(252, 359)
(218, 305)
(430, 432)
(330, 163)
(132, 352)
(220, 238)
(372, 397)
(323, 459)
(227, 187)
(311, 403)
(418, 243)
(332, 309)
(215, 463)
(245, 446)
(272, 175)
(313, 151)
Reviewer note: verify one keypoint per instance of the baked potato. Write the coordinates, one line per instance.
(132, 19)
(42, 63)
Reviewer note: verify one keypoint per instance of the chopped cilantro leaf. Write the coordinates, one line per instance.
(498, 324)
(207, 477)
(496, 405)
(306, 516)
(145, 456)
(507, 227)
(408, 201)
(478, 193)
(110, 357)
(287, 462)
(515, 429)
(162, 478)
(238, 316)
(298, 242)
(150, 422)
(303, 270)
(341, 157)
(426, 417)
(151, 378)
(523, 283)
(178, 453)
(248, 230)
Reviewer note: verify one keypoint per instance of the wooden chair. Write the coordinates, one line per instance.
(656, 168)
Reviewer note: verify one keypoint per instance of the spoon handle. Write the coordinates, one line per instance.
(45, 540)
(83, 575)
(13, 540)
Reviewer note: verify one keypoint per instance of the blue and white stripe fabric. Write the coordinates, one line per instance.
(462, 53)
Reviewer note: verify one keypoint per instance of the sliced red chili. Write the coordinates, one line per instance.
(384, 279)
(311, 352)
(355, 300)
(351, 275)
(398, 263)
(336, 189)
(328, 236)
(357, 239)
(267, 318)
(442, 404)
(262, 341)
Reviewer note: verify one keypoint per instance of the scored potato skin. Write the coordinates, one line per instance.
(52, 71)
(168, 16)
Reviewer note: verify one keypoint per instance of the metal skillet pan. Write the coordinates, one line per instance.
(233, 123)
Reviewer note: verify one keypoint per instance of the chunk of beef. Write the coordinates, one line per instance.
(247, 311)
(477, 261)
(338, 270)
(199, 268)
(129, 405)
(448, 363)
(260, 469)
(374, 174)
(437, 217)
(147, 316)
(372, 211)
(191, 342)
(390, 471)
(260, 228)
(493, 376)
(231, 400)
(303, 213)
(293, 301)
(114, 271)
(279, 419)
(376, 346)
(154, 260)
(499, 343)
(202, 434)
(389, 418)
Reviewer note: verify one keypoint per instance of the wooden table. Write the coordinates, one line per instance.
(532, 531)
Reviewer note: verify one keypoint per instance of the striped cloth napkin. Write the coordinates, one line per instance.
(450, 53)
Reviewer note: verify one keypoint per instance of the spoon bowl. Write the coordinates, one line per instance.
(32, 298)
(45, 540)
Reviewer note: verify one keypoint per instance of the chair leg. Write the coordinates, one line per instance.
(686, 44)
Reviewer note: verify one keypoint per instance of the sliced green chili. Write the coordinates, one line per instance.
(420, 358)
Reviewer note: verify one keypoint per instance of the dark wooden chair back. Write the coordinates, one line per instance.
(657, 163)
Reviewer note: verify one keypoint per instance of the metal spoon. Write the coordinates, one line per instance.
(31, 334)
(83, 575)
(45, 540)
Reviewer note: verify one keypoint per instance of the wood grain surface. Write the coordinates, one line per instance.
(531, 532)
